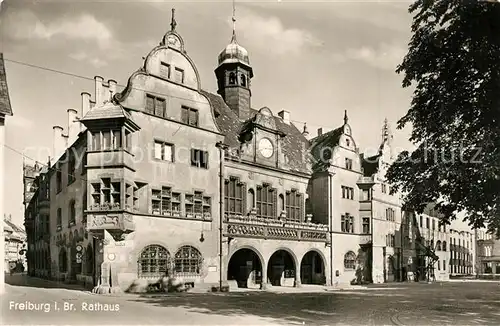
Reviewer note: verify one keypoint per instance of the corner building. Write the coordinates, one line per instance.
(180, 181)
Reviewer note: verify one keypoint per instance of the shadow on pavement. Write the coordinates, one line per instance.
(22, 279)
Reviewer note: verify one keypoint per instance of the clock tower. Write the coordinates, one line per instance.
(233, 77)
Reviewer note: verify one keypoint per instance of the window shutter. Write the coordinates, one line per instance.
(301, 208)
(243, 198)
(275, 201)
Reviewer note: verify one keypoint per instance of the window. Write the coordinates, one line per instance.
(347, 192)
(199, 158)
(164, 151)
(197, 205)
(179, 75)
(72, 212)
(347, 142)
(106, 140)
(165, 70)
(384, 188)
(439, 265)
(366, 195)
(71, 168)
(189, 116)
(243, 80)
(154, 262)
(234, 191)
(59, 218)
(390, 240)
(294, 206)
(433, 224)
(58, 178)
(366, 225)
(427, 223)
(232, 78)
(421, 222)
(347, 223)
(188, 260)
(251, 200)
(166, 202)
(128, 140)
(350, 260)
(266, 201)
(444, 265)
(348, 164)
(438, 245)
(106, 195)
(156, 105)
(390, 214)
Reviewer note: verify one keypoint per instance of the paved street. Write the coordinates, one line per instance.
(471, 303)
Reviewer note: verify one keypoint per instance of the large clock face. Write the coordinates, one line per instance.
(266, 148)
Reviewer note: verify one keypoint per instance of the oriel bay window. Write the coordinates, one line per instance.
(106, 194)
(110, 140)
(234, 192)
(166, 202)
(294, 206)
(267, 198)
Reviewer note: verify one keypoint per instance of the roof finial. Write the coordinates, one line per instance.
(173, 23)
(385, 130)
(233, 39)
(345, 117)
(305, 132)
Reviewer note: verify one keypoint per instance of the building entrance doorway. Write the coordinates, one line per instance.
(245, 268)
(312, 269)
(281, 269)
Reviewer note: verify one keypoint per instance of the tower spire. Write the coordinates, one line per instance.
(173, 23)
(386, 134)
(345, 117)
(233, 39)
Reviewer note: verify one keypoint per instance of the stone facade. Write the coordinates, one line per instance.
(488, 255)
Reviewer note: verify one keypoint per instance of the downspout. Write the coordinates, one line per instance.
(221, 148)
(330, 224)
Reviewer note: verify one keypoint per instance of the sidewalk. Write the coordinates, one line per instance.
(22, 279)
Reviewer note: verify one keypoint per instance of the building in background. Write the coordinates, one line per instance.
(15, 246)
(5, 110)
(488, 255)
(463, 248)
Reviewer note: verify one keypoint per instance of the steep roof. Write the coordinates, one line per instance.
(293, 143)
(329, 139)
(5, 108)
(106, 111)
(370, 165)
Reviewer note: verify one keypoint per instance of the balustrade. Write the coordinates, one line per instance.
(250, 226)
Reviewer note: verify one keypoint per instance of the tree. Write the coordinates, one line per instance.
(453, 62)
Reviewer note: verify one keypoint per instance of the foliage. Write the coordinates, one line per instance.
(453, 63)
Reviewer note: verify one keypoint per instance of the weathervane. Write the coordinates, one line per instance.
(234, 20)
(173, 23)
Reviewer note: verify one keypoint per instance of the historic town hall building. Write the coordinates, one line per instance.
(165, 178)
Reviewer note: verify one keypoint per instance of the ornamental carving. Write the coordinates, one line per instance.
(312, 235)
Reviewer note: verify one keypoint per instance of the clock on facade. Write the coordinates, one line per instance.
(266, 148)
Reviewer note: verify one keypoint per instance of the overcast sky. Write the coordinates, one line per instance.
(314, 59)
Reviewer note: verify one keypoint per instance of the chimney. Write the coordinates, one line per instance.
(73, 125)
(285, 116)
(320, 131)
(85, 107)
(112, 88)
(58, 142)
(98, 90)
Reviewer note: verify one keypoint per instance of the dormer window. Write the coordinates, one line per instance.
(179, 75)
(165, 70)
(243, 80)
(232, 78)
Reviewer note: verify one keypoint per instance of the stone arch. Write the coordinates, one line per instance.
(154, 261)
(282, 267)
(313, 268)
(245, 266)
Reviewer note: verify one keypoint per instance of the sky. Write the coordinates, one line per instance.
(314, 59)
